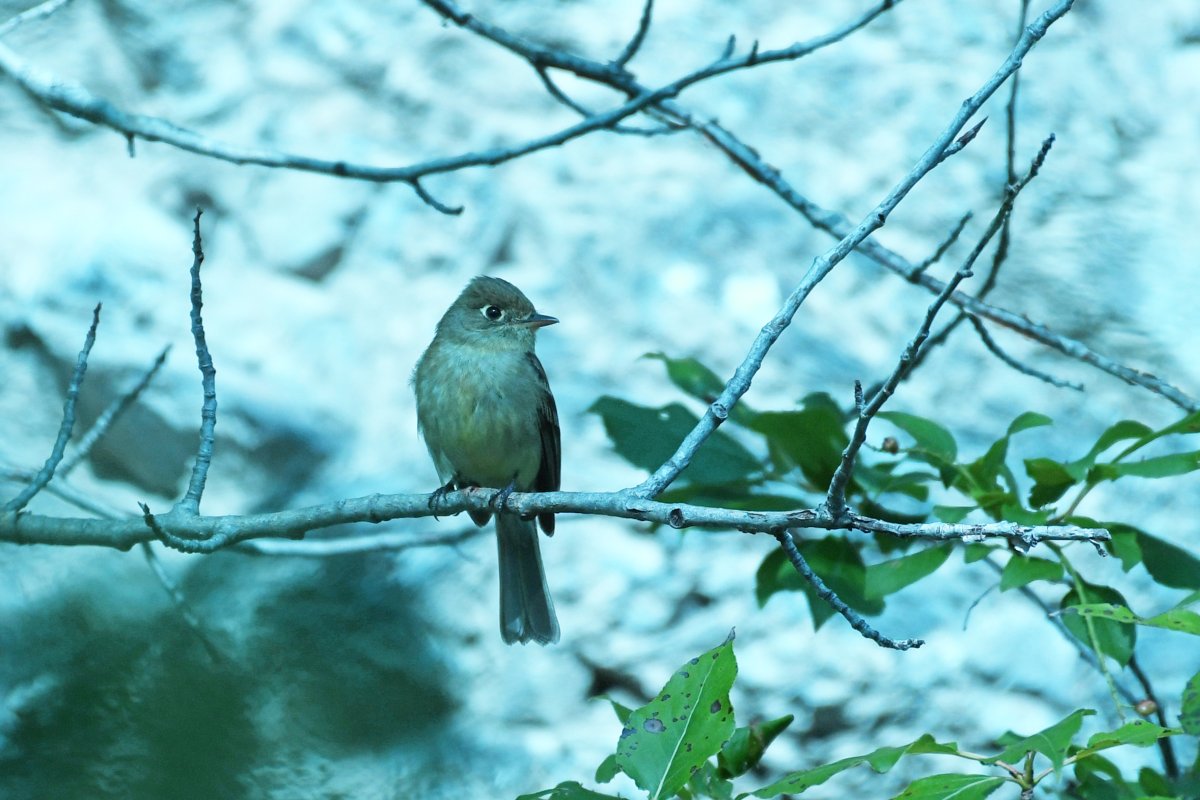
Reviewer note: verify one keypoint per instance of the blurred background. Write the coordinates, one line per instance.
(382, 674)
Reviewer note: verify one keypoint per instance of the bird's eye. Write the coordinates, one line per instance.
(493, 312)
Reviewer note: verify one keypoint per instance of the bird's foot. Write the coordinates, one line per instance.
(439, 494)
(500, 499)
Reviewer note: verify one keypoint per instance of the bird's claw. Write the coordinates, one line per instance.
(438, 495)
(500, 499)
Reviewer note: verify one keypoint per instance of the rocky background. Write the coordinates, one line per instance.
(382, 675)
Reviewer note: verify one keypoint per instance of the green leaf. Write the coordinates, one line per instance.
(1189, 715)
(879, 479)
(1052, 742)
(977, 552)
(1139, 733)
(691, 376)
(608, 769)
(1027, 420)
(689, 721)
(707, 782)
(1177, 619)
(836, 561)
(1189, 424)
(622, 711)
(880, 760)
(1124, 544)
(568, 790)
(739, 495)
(1101, 779)
(811, 439)
(951, 787)
(1169, 564)
(952, 514)
(1118, 432)
(931, 439)
(1051, 480)
(1155, 785)
(1167, 466)
(647, 437)
(892, 576)
(1023, 570)
(745, 748)
(1113, 638)
(698, 381)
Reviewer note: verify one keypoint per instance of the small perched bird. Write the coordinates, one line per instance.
(488, 418)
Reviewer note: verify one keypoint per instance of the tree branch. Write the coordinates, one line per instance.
(740, 382)
(835, 498)
(190, 504)
(202, 534)
(855, 619)
(64, 429)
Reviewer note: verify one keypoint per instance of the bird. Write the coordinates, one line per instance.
(488, 418)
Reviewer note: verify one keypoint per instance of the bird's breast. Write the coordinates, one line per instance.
(479, 416)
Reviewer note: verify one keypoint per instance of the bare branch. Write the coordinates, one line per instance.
(72, 98)
(740, 382)
(835, 498)
(639, 36)
(946, 244)
(1010, 168)
(64, 491)
(64, 429)
(198, 533)
(180, 603)
(38, 12)
(111, 415)
(829, 596)
(1024, 369)
(190, 503)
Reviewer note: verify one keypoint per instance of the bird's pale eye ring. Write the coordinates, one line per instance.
(493, 313)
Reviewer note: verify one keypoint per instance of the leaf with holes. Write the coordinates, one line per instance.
(1177, 619)
(665, 741)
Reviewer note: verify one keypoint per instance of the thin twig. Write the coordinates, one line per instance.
(1010, 167)
(639, 36)
(74, 99)
(180, 602)
(836, 603)
(946, 244)
(1165, 746)
(38, 12)
(208, 379)
(111, 415)
(68, 422)
(1024, 369)
(64, 491)
(740, 382)
(556, 92)
(835, 498)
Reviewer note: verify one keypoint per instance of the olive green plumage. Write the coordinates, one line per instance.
(488, 418)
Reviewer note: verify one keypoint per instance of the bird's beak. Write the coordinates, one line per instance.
(540, 320)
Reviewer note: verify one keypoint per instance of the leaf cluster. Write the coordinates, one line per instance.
(917, 472)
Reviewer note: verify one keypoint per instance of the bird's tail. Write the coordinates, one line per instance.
(526, 610)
